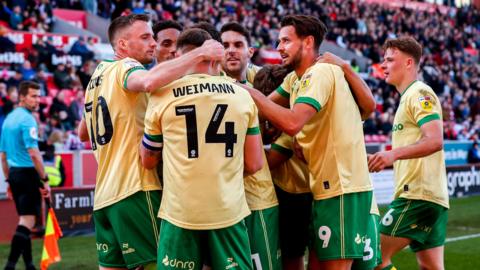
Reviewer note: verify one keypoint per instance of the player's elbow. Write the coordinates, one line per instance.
(252, 166)
(292, 129)
(368, 110)
(437, 145)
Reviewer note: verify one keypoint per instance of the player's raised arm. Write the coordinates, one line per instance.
(289, 121)
(360, 90)
(168, 71)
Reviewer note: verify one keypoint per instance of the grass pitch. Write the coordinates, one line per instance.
(464, 220)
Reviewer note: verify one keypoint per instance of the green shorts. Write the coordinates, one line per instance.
(425, 223)
(262, 227)
(343, 228)
(226, 248)
(126, 231)
(372, 255)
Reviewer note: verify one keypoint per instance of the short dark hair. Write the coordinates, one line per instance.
(193, 38)
(160, 26)
(236, 27)
(305, 26)
(123, 22)
(269, 78)
(210, 28)
(406, 45)
(24, 87)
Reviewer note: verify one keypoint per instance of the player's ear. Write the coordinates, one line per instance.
(309, 42)
(251, 50)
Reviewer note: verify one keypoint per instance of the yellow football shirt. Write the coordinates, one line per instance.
(332, 141)
(202, 122)
(114, 118)
(291, 176)
(259, 188)
(419, 178)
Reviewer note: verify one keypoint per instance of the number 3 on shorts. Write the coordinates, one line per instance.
(388, 218)
(324, 234)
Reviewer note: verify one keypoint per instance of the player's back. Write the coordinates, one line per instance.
(114, 118)
(204, 121)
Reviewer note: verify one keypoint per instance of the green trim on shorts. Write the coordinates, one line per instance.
(424, 222)
(341, 227)
(190, 249)
(123, 241)
(263, 232)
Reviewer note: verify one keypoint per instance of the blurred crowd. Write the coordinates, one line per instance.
(451, 41)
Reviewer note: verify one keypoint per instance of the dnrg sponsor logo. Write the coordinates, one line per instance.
(176, 263)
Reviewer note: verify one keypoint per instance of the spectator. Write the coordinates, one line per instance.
(41, 79)
(15, 80)
(474, 153)
(80, 48)
(16, 18)
(75, 111)
(27, 71)
(59, 110)
(62, 78)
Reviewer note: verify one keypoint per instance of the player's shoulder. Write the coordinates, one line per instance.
(419, 89)
(324, 68)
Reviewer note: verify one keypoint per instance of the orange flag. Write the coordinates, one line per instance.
(51, 253)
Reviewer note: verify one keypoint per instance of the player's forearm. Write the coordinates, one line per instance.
(282, 118)
(82, 131)
(166, 72)
(149, 158)
(360, 90)
(424, 147)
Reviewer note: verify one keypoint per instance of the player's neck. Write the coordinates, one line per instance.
(240, 77)
(406, 82)
(305, 64)
(206, 67)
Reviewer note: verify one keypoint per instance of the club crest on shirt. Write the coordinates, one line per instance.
(305, 81)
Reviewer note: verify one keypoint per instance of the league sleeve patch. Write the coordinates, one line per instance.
(426, 102)
(33, 133)
(131, 64)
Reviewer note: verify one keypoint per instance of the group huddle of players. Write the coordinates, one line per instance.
(249, 179)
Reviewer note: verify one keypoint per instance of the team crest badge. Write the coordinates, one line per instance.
(305, 81)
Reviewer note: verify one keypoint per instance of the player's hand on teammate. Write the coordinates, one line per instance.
(380, 161)
(297, 149)
(331, 58)
(213, 50)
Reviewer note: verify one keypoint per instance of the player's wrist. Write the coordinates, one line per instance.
(44, 179)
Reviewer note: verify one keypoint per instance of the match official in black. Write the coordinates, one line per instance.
(23, 167)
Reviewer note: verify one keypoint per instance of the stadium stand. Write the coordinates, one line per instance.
(450, 36)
